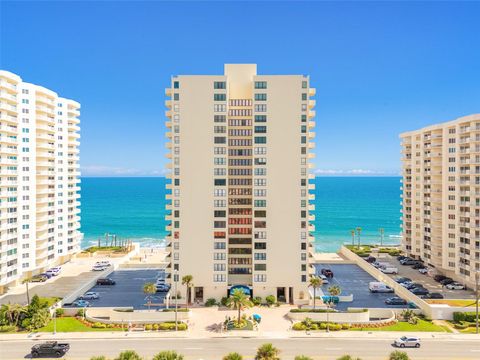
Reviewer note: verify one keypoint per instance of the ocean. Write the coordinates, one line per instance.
(134, 208)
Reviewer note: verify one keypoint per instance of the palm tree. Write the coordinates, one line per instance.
(359, 231)
(315, 282)
(303, 357)
(168, 355)
(240, 301)
(382, 232)
(333, 290)
(26, 281)
(128, 355)
(149, 289)
(187, 281)
(267, 352)
(352, 232)
(398, 355)
(233, 356)
(18, 310)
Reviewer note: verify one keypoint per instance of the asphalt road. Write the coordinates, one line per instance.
(214, 349)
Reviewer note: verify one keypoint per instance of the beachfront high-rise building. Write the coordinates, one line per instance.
(441, 196)
(239, 211)
(39, 179)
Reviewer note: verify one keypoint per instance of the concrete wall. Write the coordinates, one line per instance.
(112, 316)
(87, 286)
(383, 316)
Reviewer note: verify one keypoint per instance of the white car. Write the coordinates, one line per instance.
(423, 271)
(103, 263)
(54, 271)
(91, 295)
(324, 279)
(98, 267)
(389, 270)
(455, 286)
(407, 341)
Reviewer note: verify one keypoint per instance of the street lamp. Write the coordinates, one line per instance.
(382, 232)
(55, 322)
(175, 280)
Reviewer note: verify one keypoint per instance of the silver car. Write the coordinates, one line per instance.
(407, 341)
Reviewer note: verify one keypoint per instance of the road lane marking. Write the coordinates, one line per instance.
(333, 349)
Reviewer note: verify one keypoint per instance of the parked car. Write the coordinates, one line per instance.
(409, 341)
(48, 275)
(419, 291)
(327, 272)
(379, 287)
(423, 270)
(401, 280)
(447, 281)
(163, 287)
(54, 271)
(389, 270)
(91, 295)
(455, 286)
(98, 267)
(395, 301)
(39, 278)
(103, 263)
(81, 303)
(401, 257)
(408, 261)
(379, 264)
(105, 281)
(433, 295)
(411, 285)
(418, 266)
(324, 279)
(439, 278)
(371, 259)
(50, 348)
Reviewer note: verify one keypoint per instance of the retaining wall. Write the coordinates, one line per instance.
(111, 316)
(381, 316)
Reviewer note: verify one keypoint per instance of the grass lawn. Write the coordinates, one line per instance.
(454, 302)
(422, 325)
(70, 324)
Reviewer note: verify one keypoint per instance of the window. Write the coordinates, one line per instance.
(260, 267)
(219, 245)
(260, 246)
(219, 85)
(219, 97)
(176, 85)
(260, 256)
(220, 182)
(219, 267)
(260, 278)
(261, 118)
(260, 140)
(260, 203)
(219, 118)
(304, 96)
(176, 96)
(220, 140)
(304, 84)
(261, 150)
(219, 278)
(260, 129)
(260, 97)
(219, 108)
(260, 108)
(260, 84)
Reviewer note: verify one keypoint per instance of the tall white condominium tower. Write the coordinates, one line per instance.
(441, 196)
(239, 212)
(39, 179)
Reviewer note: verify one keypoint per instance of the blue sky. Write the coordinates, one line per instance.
(380, 68)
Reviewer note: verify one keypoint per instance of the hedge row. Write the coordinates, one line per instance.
(166, 326)
(320, 326)
(464, 316)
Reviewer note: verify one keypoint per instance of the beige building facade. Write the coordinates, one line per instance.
(239, 201)
(39, 179)
(441, 196)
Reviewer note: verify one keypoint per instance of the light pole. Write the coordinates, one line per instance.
(382, 232)
(477, 275)
(359, 231)
(55, 322)
(175, 280)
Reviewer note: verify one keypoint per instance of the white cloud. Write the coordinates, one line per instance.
(101, 170)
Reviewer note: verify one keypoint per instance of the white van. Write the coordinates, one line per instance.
(379, 287)
(389, 270)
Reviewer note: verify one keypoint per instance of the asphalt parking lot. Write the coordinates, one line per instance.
(426, 280)
(353, 280)
(128, 290)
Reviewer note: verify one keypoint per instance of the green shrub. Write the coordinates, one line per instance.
(335, 327)
(314, 326)
(168, 355)
(178, 310)
(303, 357)
(224, 301)
(312, 310)
(99, 325)
(80, 313)
(270, 299)
(398, 355)
(461, 325)
(464, 316)
(148, 327)
(7, 328)
(182, 326)
(346, 326)
(98, 358)
(298, 326)
(155, 327)
(257, 300)
(128, 355)
(233, 356)
(210, 302)
(59, 312)
(323, 326)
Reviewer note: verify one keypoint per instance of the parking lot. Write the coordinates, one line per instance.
(426, 280)
(128, 290)
(353, 280)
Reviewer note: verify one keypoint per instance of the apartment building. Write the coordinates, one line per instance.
(239, 201)
(39, 179)
(441, 196)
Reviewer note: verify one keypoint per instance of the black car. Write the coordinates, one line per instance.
(371, 259)
(401, 257)
(439, 278)
(433, 296)
(327, 272)
(401, 280)
(395, 301)
(105, 281)
(50, 348)
(419, 291)
(408, 261)
(413, 286)
(418, 266)
(447, 281)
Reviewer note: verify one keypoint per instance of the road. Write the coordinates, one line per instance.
(214, 349)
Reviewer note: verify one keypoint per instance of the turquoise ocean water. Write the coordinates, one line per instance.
(134, 208)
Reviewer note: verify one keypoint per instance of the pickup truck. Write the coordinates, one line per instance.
(50, 348)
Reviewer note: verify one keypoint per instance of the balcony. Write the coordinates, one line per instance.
(311, 114)
(311, 104)
(168, 104)
(312, 92)
(168, 92)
